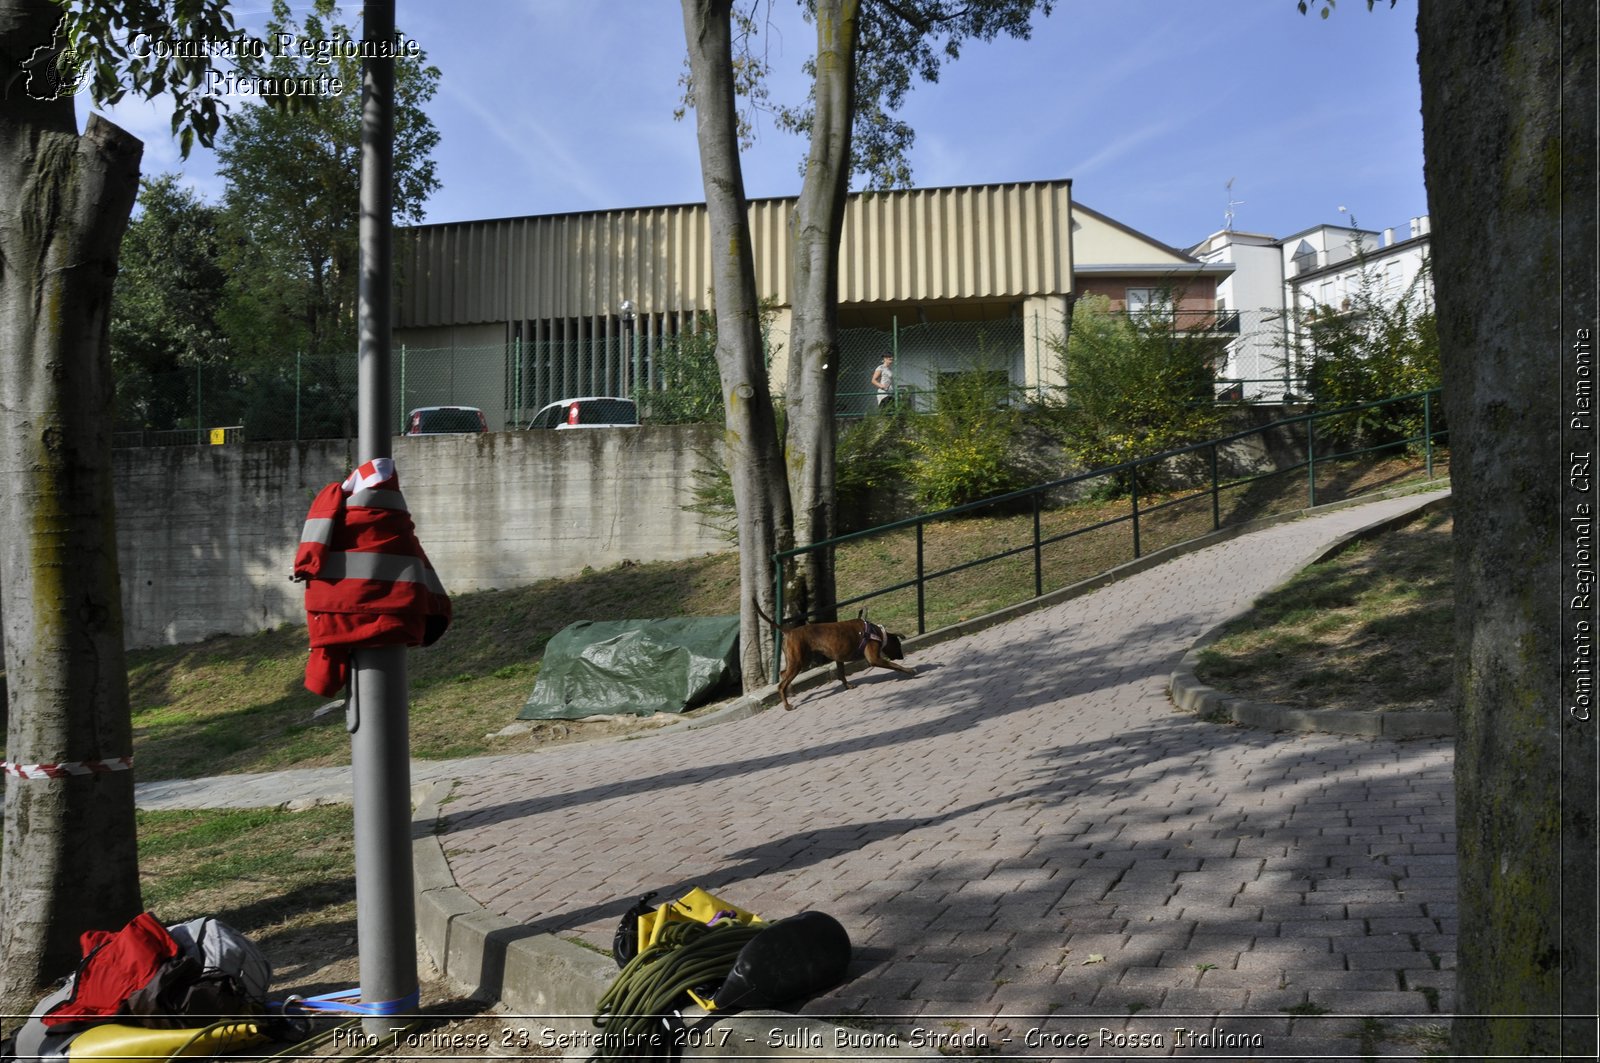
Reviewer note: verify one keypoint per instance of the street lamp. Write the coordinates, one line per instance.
(629, 354)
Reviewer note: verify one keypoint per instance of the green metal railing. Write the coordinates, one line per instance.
(1141, 507)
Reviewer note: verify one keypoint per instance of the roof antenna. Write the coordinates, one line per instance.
(1227, 219)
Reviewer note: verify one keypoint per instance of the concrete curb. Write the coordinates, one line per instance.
(547, 979)
(1191, 695)
(489, 955)
(542, 977)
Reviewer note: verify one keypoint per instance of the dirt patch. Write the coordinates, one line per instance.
(316, 953)
(523, 735)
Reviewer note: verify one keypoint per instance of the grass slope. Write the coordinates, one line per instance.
(1370, 628)
(237, 704)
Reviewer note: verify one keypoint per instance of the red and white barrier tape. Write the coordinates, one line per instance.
(65, 768)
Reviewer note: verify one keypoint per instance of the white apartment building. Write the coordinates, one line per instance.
(1278, 283)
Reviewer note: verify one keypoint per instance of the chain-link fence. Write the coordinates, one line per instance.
(905, 365)
(315, 397)
(1259, 367)
(303, 397)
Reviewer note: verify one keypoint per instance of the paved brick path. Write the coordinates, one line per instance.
(1025, 840)
(1027, 827)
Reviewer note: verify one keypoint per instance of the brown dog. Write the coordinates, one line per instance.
(839, 642)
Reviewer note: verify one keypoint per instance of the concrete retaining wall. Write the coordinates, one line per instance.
(207, 534)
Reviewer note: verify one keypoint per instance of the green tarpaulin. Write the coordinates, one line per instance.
(605, 667)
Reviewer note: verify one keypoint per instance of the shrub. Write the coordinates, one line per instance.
(1137, 384)
(1375, 348)
(968, 447)
(871, 463)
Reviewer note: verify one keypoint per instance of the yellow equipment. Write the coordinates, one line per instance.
(133, 1044)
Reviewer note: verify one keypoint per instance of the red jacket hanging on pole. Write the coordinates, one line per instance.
(368, 582)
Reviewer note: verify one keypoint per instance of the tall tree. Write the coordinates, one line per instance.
(292, 196)
(164, 314)
(1513, 259)
(70, 857)
(71, 861)
(869, 54)
(755, 462)
(812, 442)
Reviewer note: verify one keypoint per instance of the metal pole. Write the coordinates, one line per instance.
(1311, 462)
(516, 383)
(922, 600)
(1216, 493)
(1038, 553)
(894, 405)
(1427, 429)
(1135, 492)
(377, 713)
(633, 354)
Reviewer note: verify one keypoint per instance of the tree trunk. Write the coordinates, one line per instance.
(71, 861)
(755, 462)
(814, 339)
(1508, 121)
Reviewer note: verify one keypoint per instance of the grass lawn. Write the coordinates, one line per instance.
(1370, 628)
(237, 704)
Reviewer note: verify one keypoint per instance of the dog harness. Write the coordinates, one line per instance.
(870, 632)
(368, 582)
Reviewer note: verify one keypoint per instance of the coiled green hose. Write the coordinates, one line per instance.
(686, 955)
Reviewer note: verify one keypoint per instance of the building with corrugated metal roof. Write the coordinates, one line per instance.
(948, 280)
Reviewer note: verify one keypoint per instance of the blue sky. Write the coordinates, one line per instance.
(1149, 106)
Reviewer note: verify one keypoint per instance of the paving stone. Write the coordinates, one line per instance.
(1355, 1002)
(1032, 790)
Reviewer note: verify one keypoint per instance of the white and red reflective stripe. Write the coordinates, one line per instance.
(359, 552)
(369, 475)
(372, 486)
(379, 498)
(66, 768)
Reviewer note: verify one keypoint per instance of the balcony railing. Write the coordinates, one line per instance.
(1210, 321)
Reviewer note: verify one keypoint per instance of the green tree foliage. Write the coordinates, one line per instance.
(688, 389)
(1137, 384)
(102, 33)
(898, 44)
(164, 312)
(874, 469)
(293, 197)
(1379, 346)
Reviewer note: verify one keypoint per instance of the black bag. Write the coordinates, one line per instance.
(186, 993)
(795, 957)
(625, 942)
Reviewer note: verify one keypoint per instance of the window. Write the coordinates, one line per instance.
(1305, 258)
(1153, 303)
